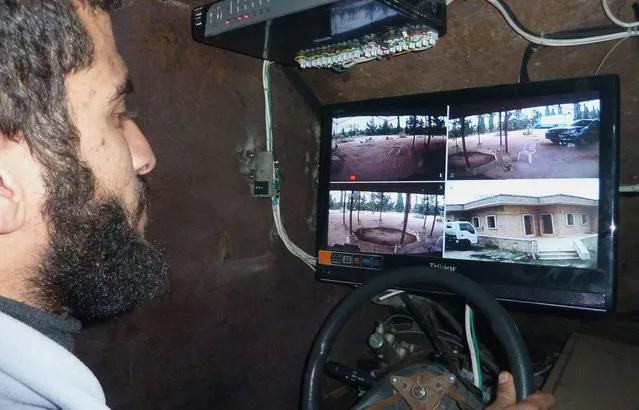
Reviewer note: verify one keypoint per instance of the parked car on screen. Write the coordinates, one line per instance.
(461, 233)
(578, 132)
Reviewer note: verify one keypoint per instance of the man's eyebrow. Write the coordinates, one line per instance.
(123, 90)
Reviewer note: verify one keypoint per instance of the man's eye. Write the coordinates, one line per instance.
(121, 118)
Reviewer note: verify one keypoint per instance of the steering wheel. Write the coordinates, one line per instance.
(501, 323)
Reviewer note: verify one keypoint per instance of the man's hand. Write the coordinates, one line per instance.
(506, 397)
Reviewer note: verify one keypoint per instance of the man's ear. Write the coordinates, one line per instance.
(12, 207)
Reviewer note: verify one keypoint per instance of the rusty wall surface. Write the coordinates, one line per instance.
(234, 332)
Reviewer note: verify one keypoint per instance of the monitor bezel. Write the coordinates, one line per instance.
(600, 298)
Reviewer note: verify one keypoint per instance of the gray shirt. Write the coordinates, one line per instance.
(57, 328)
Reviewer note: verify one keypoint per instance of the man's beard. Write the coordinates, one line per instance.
(98, 265)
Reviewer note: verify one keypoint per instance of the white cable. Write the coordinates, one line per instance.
(614, 19)
(629, 188)
(294, 249)
(632, 31)
(390, 294)
(542, 371)
(471, 348)
(358, 61)
(277, 217)
(612, 49)
(267, 105)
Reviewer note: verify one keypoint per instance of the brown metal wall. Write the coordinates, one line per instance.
(235, 330)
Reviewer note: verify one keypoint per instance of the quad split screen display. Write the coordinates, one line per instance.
(514, 186)
(512, 182)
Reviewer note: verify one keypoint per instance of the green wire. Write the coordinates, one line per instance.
(341, 69)
(472, 332)
(270, 112)
(269, 147)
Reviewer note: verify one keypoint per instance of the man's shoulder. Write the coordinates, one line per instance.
(44, 369)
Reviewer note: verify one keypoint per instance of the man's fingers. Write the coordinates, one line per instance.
(539, 401)
(506, 395)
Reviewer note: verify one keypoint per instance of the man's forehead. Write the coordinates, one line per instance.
(97, 22)
(106, 79)
(108, 72)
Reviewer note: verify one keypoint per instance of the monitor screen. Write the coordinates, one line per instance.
(513, 185)
(347, 16)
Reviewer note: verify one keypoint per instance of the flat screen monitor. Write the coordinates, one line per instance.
(514, 186)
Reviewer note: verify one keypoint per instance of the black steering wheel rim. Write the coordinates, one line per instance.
(501, 323)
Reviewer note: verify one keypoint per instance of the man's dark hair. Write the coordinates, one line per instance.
(41, 42)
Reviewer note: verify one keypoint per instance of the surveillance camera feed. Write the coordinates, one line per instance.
(389, 148)
(514, 181)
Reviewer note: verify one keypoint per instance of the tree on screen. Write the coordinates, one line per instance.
(399, 206)
(506, 120)
(411, 128)
(415, 126)
(425, 205)
(406, 212)
(432, 227)
(421, 125)
(429, 130)
(344, 207)
(371, 202)
(411, 125)
(438, 126)
(463, 138)
(371, 127)
(350, 217)
(536, 116)
(481, 124)
(385, 128)
(361, 200)
(382, 203)
(519, 121)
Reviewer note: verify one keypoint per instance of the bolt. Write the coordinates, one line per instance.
(393, 379)
(251, 176)
(376, 340)
(451, 378)
(419, 392)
